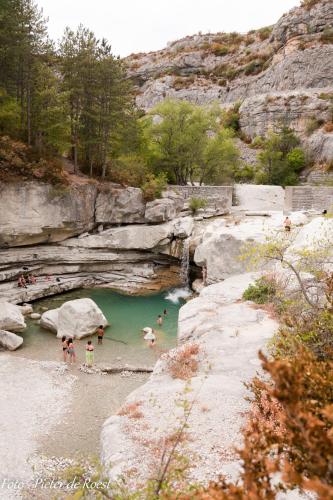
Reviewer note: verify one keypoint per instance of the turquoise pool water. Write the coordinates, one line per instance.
(123, 339)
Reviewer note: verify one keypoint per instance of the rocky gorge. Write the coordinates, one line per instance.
(218, 330)
(279, 74)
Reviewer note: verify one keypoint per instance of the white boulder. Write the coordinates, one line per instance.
(35, 316)
(79, 318)
(183, 227)
(11, 317)
(49, 320)
(160, 210)
(10, 341)
(26, 309)
(298, 218)
(223, 245)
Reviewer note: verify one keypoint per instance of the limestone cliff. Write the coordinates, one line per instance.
(282, 73)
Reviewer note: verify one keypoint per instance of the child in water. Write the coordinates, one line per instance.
(89, 354)
(159, 320)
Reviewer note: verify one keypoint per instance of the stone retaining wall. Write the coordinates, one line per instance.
(218, 198)
(308, 197)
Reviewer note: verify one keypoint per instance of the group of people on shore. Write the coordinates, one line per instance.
(68, 348)
(24, 281)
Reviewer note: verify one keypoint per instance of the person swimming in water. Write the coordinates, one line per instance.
(159, 320)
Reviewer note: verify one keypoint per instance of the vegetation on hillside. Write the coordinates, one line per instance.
(281, 159)
(190, 143)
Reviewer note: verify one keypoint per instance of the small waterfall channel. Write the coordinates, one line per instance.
(185, 263)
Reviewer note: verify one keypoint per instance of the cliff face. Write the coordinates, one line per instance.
(289, 64)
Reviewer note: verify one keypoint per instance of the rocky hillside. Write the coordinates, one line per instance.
(282, 73)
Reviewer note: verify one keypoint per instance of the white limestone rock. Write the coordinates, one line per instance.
(120, 206)
(35, 316)
(11, 318)
(183, 227)
(160, 210)
(10, 341)
(79, 318)
(223, 245)
(33, 212)
(26, 309)
(135, 237)
(49, 320)
(298, 218)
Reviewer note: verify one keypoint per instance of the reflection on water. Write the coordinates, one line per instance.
(127, 316)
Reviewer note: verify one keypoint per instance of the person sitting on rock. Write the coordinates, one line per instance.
(287, 224)
(21, 282)
(100, 334)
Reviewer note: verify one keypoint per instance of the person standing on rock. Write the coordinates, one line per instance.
(64, 347)
(287, 224)
(71, 351)
(100, 334)
(89, 354)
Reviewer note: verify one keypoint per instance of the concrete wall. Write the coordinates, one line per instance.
(308, 197)
(253, 197)
(218, 198)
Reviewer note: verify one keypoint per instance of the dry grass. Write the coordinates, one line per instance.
(131, 410)
(183, 364)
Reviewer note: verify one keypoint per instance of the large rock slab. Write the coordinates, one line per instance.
(33, 212)
(79, 318)
(223, 244)
(133, 237)
(10, 341)
(11, 318)
(120, 206)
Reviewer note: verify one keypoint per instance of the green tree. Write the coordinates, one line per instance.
(188, 143)
(281, 159)
(100, 103)
(24, 43)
